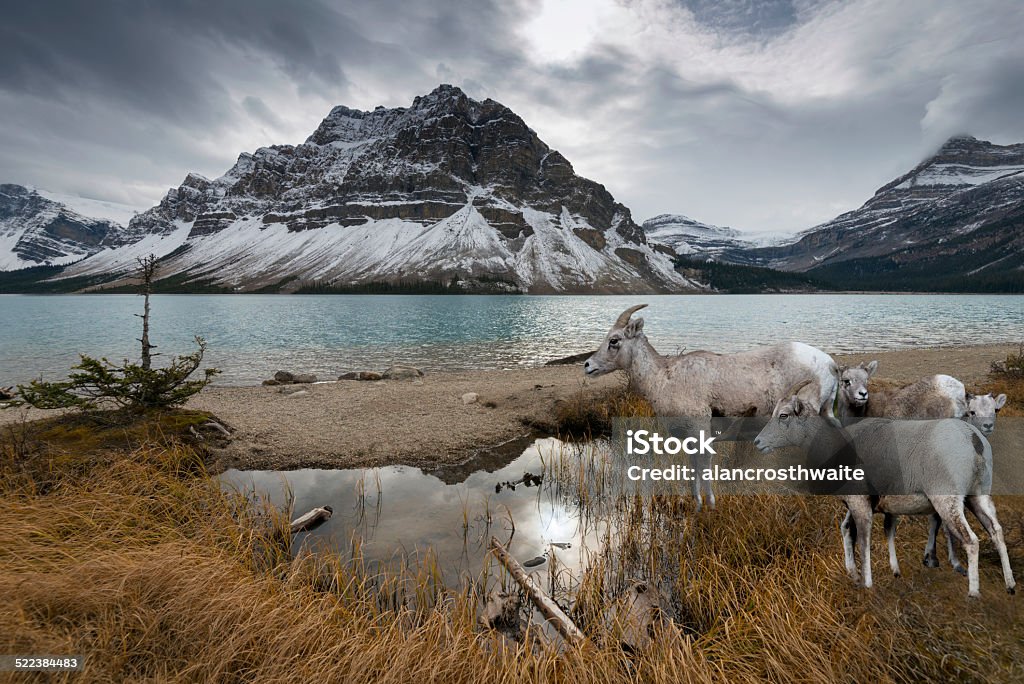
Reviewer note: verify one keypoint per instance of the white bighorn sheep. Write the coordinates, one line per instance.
(922, 467)
(981, 413)
(702, 384)
(982, 410)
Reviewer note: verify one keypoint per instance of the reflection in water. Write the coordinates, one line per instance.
(400, 512)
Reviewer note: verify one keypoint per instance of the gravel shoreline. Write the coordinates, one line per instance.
(351, 424)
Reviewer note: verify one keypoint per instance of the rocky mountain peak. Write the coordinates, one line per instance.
(447, 187)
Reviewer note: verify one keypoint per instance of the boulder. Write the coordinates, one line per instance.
(361, 375)
(400, 372)
(304, 378)
(470, 398)
(284, 377)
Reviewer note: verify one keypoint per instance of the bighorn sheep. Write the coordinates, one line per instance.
(981, 413)
(922, 467)
(937, 396)
(704, 384)
(982, 410)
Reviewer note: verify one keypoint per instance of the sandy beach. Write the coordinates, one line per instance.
(357, 424)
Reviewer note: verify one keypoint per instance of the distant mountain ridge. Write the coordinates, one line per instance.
(688, 237)
(954, 222)
(447, 190)
(36, 230)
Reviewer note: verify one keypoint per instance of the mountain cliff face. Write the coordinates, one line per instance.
(36, 231)
(447, 188)
(956, 221)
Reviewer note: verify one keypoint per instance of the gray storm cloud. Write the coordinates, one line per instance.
(768, 116)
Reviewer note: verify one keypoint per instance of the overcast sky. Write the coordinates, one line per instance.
(766, 116)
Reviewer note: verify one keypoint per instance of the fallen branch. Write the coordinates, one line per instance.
(312, 519)
(547, 607)
(218, 427)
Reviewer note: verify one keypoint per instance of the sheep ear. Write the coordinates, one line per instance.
(871, 368)
(634, 327)
(1000, 401)
(969, 396)
(798, 406)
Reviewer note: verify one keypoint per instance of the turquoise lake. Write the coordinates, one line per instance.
(251, 336)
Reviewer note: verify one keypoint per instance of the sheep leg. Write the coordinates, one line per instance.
(709, 494)
(860, 529)
(951, 508)
(863, 518)
(695, 485)
(985, 510)
(890, 537)
(931, 560)
(954, 559)
(849, 531)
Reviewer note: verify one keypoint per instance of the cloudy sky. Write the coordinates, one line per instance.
(765, 115)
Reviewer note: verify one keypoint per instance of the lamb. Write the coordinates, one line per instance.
(981, 413)
(936, 396)
(702, 384)
(920, 467)
(982, 410)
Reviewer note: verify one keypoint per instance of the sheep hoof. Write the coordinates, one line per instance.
(930, 562)
(974, 595)
(1011, 590)
(961, 570)
(896, 575)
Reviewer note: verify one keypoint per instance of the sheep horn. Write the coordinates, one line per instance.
(623, 318)
(792, 392)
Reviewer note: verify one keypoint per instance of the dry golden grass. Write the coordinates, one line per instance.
(584, 415)
(142, 564)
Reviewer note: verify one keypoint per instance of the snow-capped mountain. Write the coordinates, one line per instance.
(958, 218)
(688, 237)
(449, 187)
(38, 228)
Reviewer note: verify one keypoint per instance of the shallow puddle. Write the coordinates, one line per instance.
(401, 513)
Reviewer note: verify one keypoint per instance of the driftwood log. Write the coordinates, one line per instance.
(315, 517)
(570, 360)
(547, 607)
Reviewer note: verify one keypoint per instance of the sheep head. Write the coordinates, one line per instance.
(616, 351)
(982, 410)
(853, 382)
(789, 425)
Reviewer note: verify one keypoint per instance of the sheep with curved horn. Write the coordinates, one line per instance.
(702, 384)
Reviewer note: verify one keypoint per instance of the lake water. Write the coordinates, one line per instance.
(251, 336)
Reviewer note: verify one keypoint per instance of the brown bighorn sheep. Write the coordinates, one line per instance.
(703, 384)
(920, 467)
(937, 396)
